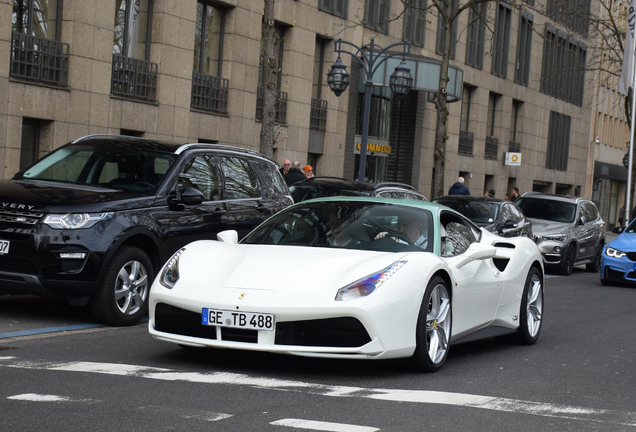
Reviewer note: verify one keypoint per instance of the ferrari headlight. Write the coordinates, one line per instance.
(75, 220)
(367, 285)
(614, 253)
(170, 272)
(561, 238)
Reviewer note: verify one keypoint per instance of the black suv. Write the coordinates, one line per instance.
(319, 187)
(568, 230)
(94, 220)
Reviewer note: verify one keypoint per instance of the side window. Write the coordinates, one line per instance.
(584, 213)
(518, 216)
(592, 211)
(456, 235)
(201, 173)
(506, 213)
(240, 180)
(270, 175)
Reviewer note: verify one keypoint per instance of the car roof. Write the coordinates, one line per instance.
(554, 197)
(398, 201)
(470, 198)
(352, 184)
(167, 146)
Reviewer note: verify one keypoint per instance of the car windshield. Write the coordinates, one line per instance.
(103, 164)
(306, 192)
(547, 209)
(481, 212)
(349, 225)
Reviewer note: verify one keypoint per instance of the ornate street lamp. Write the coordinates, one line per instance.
(400, 82)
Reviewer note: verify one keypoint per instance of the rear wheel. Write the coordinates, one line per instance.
(433, 330)
(531, 309)
(122, 297)
(595, 265)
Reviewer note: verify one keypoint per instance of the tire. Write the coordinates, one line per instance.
(568, 261)
(595, 265)
(531, 309)
(122, 297)
(433, 332)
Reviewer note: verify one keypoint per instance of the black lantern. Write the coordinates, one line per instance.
(401, 81)
(338, 77)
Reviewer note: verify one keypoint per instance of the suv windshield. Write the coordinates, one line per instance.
(547, 209)
(104, 164)
(480, 212)
(349, 225)
(305, 192)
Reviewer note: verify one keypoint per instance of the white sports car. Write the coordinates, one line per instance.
(350, 277)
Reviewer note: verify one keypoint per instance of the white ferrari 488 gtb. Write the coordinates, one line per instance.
(350, 278)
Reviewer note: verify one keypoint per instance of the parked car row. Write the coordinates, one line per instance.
(95, 220)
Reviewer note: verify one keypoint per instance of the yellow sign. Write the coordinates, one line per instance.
(376, 148)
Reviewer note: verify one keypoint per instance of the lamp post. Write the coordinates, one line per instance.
(400, 82)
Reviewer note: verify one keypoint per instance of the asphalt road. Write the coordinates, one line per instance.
(60, 372)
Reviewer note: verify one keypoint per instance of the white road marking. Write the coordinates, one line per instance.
(395, 395)
(322, 426)
(39, 398)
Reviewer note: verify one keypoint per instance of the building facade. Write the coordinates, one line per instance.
(190, 70)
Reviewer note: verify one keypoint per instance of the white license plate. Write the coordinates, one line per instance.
(4, 247)
(245, 320)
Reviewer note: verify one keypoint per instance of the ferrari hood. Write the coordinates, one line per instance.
(279, 268)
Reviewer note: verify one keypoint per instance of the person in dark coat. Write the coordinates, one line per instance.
(294, 175)
(458, 188)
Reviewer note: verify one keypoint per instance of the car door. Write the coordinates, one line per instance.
(477, 288)
(184, 223)
(242, 192)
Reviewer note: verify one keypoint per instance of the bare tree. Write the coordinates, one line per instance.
(270, 69)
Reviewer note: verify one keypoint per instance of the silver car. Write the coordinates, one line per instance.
(568, 230)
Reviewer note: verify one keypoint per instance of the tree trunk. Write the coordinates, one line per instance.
(441, 126)
(270, 69)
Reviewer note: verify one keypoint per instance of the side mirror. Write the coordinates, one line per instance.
(476, 251)
(191, 196)
(228, 236)
(510, 224)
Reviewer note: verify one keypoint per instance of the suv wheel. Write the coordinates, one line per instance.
(122, 297)
(568, 261)
(595, 265)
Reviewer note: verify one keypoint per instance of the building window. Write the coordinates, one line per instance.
(563, 67)
(281, 96)
(210, 92)
(515, 126)
(501, 42)
(318, 114)
(414, 22)
(466, 137)
(380, 113)
(29, 145)
(439, 46)
(558, 141)
(376, 15)
(492, 142)
(476, 35)
(134, 76)
(36, 51)
(334, 7)
(524, 44)
(574, 14)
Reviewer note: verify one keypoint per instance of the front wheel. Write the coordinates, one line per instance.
(568, 261)
(122, 297)
(433, 332)
(531, 309)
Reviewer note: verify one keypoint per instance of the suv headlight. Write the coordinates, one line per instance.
(561, 238)
(614, 253)
(75, 220)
